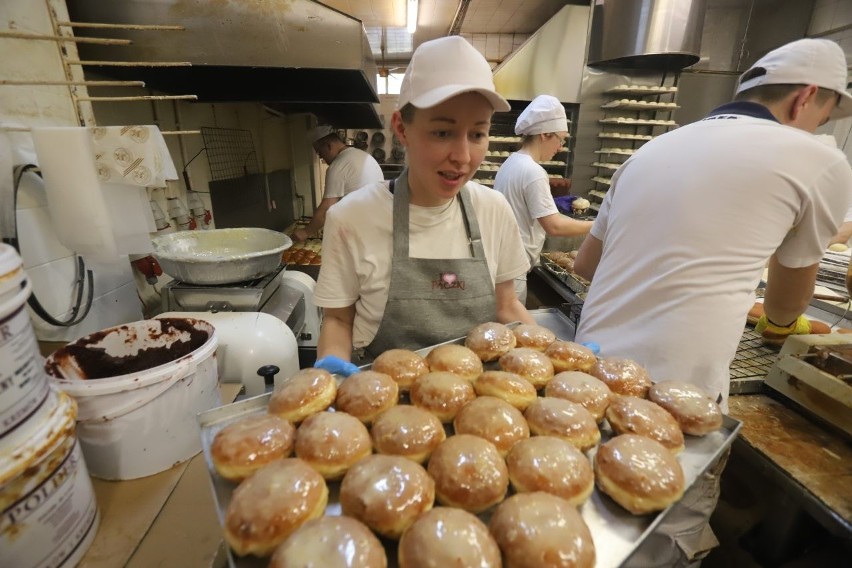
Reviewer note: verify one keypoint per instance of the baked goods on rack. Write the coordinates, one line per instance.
(581, 388)
(622, 376)
(242, 447)
(533, 336)
(268, 506)
(490, 340)
(386, 493)
(532, 365)
(570, 356)
(307, 392)
(695, 412)
(563, 419)
(536, 530)
(367, 394)
(403, 366)
(443, 394)
(552, 465)
(448, 537)
(639, 473)
(632, 415)
(469, 473)
(510, 387)
(493, 419)
(456, 359)
(407, 431)
(331, 542)
(332, 442)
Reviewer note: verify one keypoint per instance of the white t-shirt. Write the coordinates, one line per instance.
(357, 248)
(687, 227)
(352, 169)
(527, 189)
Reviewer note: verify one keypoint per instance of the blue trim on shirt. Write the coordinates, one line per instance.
(742, 108)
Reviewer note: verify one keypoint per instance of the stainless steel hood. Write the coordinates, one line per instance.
(295, 55)
(651, 34)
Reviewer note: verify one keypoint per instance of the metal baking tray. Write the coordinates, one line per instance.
(616, 533)
(570, 280)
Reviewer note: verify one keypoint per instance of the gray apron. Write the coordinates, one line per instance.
(432, 300)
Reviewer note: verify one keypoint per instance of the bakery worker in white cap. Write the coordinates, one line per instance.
(349, 168)
(686, 228)
(543, 127)
(424, 258)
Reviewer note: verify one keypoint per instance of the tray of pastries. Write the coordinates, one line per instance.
(527, 447)
(561, 265)
(306, 253)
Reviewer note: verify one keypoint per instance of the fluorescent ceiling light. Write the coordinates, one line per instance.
(411, 21)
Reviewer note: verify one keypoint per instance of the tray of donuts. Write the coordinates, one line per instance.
(561, 265)
(507, 447)
(306, 253)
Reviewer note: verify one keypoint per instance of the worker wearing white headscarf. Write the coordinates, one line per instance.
(543, 127)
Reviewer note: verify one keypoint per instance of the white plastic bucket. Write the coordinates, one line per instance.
(49, 515)
(143, 422)
(23, 384)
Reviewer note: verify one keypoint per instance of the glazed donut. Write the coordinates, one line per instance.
(570, 356)
(367, 394)
(490, 340)
(583, 389)
(622, 376)
(632, 415)
(537, 530)
(241, 448)
(268, 506)
(456, 359)
(552, 465)
(469, 473)
(639, 473)
(448, 537)
(510, 387)
(386, 493)
(532, 365)
(695, 412)
(307, 392)
(563, 419)
(493, 419)
(402, 365)
(332, 442)
(331, 542)
(407, 431)
(533, 336)
(442, 394)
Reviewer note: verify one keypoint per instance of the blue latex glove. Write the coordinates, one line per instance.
(336, 366)
(596, 349)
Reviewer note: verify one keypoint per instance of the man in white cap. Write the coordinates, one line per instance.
(688, 225)
(349, 168)
(424, 258)
(543, 127)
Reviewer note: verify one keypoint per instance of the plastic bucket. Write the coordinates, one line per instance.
(48, 514)
(23, 385)
(138, 387)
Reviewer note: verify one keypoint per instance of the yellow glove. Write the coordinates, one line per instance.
(776, 333)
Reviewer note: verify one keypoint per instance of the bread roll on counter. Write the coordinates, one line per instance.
(386, 493)
(490, 340)
(331, 542)
(494, 420)
(443, 394)
(332, 442)
(622, 376)
(241, 448)
(583, 389)
(563, 419)
(510, 387)
(692, 408)
(533, 336)
(552, 465)
(268, 506)
(632, 415)
(307, 392)
(469, 473)
(540, 530)
(367, 394)
(456, 359)
(407, 431)
(448, 538)
(570, 356)
(530, 364)
(402, 365)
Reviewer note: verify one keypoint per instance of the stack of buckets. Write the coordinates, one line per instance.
(48, 514)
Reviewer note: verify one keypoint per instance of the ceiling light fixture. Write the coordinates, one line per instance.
(411, 21)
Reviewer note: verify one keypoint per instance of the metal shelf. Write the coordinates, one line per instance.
(603, 180)
(619, 151)
(640, 90)
(637, 122)
(620, 136)
(639, 105)
(606, 165)
(597, 193)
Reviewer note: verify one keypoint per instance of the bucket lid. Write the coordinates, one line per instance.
(10, 260)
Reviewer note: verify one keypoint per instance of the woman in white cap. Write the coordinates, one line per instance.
(543, 127)
(423, 258)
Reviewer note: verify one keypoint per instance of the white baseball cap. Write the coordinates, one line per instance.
(819, 62)
(320, 132)
(443, 68)
(543, 115)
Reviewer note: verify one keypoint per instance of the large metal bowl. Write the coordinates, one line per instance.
(220, 256)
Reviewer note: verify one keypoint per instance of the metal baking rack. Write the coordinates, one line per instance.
(567, 278)
(751, 364)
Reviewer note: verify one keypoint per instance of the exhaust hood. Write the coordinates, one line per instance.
(293, 55)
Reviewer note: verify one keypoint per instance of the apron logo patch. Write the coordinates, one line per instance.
(448, 281)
